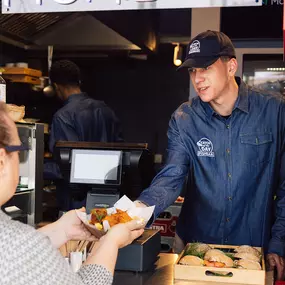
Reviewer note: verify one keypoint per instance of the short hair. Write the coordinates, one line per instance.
(5, 131)
(226, 58)
(65, 72)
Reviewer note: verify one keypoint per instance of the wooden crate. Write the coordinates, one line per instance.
(22, 71)
(200, 273)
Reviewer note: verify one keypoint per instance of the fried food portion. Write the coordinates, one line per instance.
(117, 218)
(97, 215)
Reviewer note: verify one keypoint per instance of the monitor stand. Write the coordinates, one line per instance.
(101, 199)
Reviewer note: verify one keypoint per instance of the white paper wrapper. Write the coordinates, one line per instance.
(124, 204)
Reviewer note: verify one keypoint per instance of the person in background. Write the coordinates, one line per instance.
(231, 139)
(82, 118)
(29, 256)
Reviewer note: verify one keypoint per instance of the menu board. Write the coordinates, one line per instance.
(38, 6)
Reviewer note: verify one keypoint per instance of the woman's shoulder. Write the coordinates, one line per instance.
(28, 256)
(19, 235)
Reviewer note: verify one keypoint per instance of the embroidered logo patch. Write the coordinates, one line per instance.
(205, 148)
(194, 47)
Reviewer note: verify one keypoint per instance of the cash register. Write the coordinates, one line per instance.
(103, 172)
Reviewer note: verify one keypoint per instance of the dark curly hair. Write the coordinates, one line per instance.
(65, 72)
(5, 132)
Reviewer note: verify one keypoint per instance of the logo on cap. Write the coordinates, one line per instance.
(194, 47)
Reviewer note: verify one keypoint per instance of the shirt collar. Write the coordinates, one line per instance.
(75, 97)
(241, 102)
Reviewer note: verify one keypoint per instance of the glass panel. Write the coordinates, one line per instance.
(266, 72)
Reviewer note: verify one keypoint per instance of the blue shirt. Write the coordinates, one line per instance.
(236, 165)
(84, 119)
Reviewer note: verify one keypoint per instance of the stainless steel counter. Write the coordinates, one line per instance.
(162, 274)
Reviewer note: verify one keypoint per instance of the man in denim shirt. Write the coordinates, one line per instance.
(82, 118)
(231, 140)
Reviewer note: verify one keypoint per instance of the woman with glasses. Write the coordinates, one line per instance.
(30, 257)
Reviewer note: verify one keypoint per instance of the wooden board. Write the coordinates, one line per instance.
(200, 273)
(22, 79)
(22, 71)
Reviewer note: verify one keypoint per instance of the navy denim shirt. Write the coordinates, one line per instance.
(84, 119)
(235, 166)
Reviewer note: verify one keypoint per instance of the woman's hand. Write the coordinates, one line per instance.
(68, 227)
(73, 227)
(124, 234)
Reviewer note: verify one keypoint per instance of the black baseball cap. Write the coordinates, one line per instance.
(206, 48)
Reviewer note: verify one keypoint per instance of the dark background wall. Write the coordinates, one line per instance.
(254, 23)
(143, 93)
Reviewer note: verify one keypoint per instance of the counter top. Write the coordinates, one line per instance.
(162, 274)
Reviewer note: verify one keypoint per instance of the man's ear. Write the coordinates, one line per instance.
(233, 66)
(3, 157)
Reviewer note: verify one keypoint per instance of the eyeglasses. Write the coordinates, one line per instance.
(12, 148)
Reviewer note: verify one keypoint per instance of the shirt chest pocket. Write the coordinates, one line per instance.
(255, 148)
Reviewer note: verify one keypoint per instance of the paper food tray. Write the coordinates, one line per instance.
(124, 204)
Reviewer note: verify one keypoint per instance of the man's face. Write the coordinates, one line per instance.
(210, 82)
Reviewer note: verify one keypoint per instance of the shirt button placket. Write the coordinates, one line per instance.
(229, 198)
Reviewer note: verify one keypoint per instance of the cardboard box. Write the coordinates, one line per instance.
(166, 221)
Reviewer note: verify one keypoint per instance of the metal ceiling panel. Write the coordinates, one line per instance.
(27, 26)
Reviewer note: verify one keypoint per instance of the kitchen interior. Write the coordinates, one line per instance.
(127, 59)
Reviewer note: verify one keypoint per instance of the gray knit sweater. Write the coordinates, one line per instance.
(27, 257)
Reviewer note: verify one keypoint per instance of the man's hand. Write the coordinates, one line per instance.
(140, 204)
(274, 260)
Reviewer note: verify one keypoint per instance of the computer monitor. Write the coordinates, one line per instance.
(92, 166)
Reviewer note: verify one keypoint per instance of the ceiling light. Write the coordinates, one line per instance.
(276, 69)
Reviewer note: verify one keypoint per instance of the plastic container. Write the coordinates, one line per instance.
(2, 89)
(22, 65)
(9, 65)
